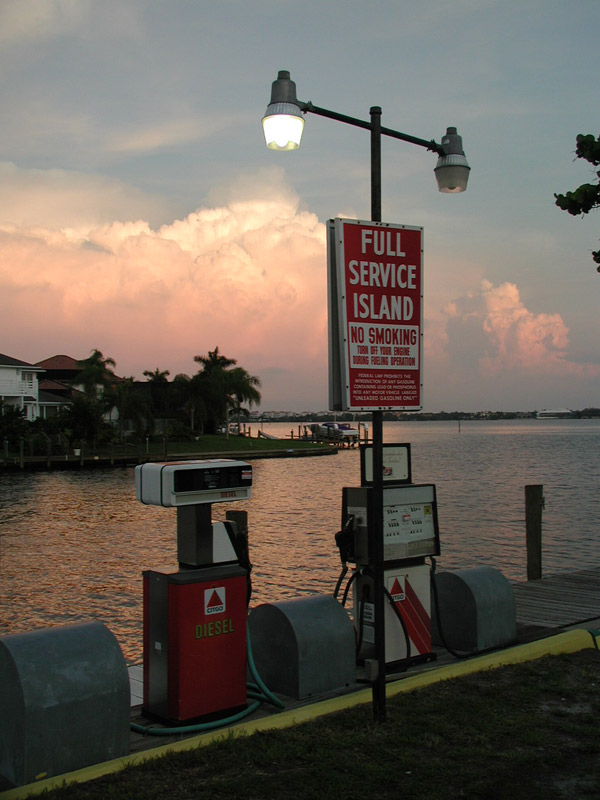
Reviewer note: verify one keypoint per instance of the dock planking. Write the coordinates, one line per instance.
(559, 601)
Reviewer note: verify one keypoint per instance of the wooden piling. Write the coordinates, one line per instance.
(534, 503)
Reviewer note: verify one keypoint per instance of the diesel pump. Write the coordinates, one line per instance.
(195, 645)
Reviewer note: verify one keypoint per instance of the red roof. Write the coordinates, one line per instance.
(59, 362)
(65, 364)
(9, 361)
(49, 385)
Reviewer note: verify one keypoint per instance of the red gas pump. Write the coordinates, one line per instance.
(195, 614)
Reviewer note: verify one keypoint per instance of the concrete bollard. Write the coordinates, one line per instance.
(64, 695)
(477, 609)
(303, 646)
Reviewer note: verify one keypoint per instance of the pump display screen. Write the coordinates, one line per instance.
(410, 523)
(206, 479)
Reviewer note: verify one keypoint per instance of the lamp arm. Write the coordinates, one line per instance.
(359, 123)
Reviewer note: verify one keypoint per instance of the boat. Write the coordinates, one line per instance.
(554, 413)
(335, 432)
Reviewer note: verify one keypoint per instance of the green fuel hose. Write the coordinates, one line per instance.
(258, 691)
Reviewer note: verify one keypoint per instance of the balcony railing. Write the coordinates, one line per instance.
(18, 388)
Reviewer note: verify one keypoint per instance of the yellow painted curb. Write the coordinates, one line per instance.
(569, 642)
(596, 637)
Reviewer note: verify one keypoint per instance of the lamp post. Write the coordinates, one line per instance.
(283, 124)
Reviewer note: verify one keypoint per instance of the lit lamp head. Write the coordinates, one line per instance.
(283, 121)
(452, 169)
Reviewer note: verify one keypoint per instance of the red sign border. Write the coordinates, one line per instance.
(339, 359)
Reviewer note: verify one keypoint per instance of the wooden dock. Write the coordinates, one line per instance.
(566, 600)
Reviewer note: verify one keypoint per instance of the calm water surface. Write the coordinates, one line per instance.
(73, 544)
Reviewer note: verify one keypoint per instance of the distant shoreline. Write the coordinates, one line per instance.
(417, 416)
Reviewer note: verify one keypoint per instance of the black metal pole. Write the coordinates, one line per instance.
(376, 519)
(428, 144)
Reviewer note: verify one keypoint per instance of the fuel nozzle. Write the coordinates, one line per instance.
(344, 539)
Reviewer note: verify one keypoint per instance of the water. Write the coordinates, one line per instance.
(73, 544)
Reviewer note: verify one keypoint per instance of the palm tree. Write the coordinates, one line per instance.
(96, 374)
(214, 362)
(242, 388)
(157, 375)
(212, 379)
(159, 391)
(190, 397)
(131, 405)
(221, 387)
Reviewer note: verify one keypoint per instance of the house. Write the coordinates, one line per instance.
(41, 389)
(54, 384)
(19, 385)
(60, 368)
(62, 380)
(53, 397)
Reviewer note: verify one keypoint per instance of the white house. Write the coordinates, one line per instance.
(19, 385)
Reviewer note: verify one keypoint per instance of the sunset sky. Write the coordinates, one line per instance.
(142, 215)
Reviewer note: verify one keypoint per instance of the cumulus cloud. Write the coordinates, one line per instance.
(513, 338)
(247, 273)
(248, 276)
(487, 343)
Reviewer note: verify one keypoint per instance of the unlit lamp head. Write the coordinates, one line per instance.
(283, 122)
(452, 169)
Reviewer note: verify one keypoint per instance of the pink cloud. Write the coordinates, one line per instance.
(249, 277)
(507, 337)
(249, 274)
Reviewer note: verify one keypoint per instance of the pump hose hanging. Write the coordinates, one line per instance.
(371, 574)
(401, 619)
(396, 612)
(338, 585)
(438, 620)
(351, 580)
(257, 690)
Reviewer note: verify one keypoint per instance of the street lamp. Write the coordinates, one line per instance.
(283, 124)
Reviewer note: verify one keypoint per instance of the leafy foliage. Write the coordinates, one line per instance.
(587, 196)
(96, 373)
(104, 407)
(83, 421)
(13, 424)
(222, 385)
(132, 406)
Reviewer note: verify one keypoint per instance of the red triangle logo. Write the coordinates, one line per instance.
(215, 600)
(396, 588)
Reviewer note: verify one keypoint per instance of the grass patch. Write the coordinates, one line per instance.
(521, 731)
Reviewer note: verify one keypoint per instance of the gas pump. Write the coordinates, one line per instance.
(194, 624)
(411, 533)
